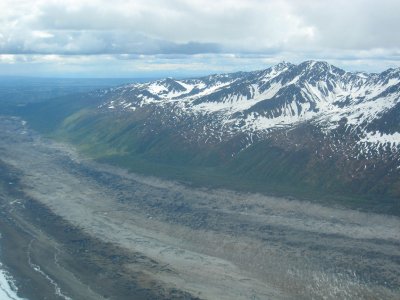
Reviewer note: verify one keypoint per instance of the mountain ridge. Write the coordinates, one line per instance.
(282, 95)
(311, 129)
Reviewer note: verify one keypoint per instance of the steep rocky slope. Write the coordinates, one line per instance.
(288, 129)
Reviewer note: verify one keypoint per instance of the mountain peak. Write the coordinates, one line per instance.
(284, 64)
(392, 71)
(320, 68)
(311, 64)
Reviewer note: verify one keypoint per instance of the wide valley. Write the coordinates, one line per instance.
(72, 228)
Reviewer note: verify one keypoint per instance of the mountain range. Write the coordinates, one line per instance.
(310, 130)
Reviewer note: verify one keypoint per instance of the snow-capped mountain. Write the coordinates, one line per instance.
(218, 107)
(306, 128)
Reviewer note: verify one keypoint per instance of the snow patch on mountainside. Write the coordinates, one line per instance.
(382, 139)
(217, 107)
(235, 103)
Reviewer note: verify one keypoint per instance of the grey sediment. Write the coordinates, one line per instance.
(98, 231)
(80, 266)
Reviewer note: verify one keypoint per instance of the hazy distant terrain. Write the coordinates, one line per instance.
(22, 90)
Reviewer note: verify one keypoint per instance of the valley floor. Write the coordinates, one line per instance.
(75, 229)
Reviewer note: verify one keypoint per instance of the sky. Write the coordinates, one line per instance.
(155, 38)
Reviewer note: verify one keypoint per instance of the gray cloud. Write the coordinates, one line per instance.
(177, 26)
(99, 42)
(257, 30)
(355, 24)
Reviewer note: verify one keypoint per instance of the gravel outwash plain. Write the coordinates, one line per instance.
(98, 232)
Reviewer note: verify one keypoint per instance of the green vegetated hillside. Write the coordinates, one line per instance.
(273, 166)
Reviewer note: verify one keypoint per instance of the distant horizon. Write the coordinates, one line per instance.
(174, 74)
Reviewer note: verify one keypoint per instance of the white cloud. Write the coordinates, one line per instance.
(341, 31)
(250, 25)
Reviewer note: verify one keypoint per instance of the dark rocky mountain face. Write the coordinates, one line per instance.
(306, 127)
(261, 102)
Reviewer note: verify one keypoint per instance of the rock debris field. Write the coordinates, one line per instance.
(86, 230)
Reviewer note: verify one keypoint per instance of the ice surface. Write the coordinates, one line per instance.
(8, 290)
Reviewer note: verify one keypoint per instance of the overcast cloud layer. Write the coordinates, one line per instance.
(122, 37)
